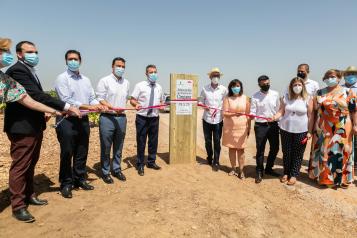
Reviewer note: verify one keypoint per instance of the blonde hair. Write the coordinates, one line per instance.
(303, 93)
(5, 43)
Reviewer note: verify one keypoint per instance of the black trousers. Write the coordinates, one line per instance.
(355, 151)
(146, 127)
(293, 152)
(73, 136)
(266, 132)
(213, 131)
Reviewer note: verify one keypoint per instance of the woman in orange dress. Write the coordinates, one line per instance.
(236, 126)
(330, 162)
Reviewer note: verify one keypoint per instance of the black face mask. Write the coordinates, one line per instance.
(301, 75)
(265, 88)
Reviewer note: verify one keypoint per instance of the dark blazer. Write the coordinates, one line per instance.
(18, 118)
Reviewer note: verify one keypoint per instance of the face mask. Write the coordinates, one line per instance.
(7, 59)
(152, 77)
(31, 59)
(297, 89)
(119, 71)
(351, 79)
(236, 90)
(73, 65)
(265, 88)
(215, 80)
(331, 82)
(301, 75)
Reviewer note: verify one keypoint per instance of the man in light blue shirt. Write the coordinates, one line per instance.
(73, 133)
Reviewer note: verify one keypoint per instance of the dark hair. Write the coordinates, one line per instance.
(19, 45)
(233, 83)
(263, 78)
(306, 66)
(118, 59)
(73, 52)
(150, 66)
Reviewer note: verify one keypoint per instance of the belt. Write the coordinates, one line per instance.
(112, 114)
(266, 123)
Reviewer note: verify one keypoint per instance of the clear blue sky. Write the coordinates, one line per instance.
(244, 38)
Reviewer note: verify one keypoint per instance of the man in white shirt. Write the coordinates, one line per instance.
(265, 103)
(212, 95)
(312, 86)
(113, 92)
(147, 93)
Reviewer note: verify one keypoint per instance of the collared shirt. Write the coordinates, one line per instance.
(311, 87)
(352, 87)
(75, 89)
(265, 105)
(142, 92)
(113, 90)
(213, 97)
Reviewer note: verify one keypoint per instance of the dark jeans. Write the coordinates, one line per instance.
(146, 127)
(213, 131)
(25, 152)
(112, 129)
(266, 132)
(73, 136)
(355, 151)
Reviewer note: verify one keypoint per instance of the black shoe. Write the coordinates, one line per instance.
(84, 185)
(37, 202)
(215, 167)
(153, 166)
(259, 177)
(209, 160)
(272, 173)
(66, 191)
(119, 175)
(23, 215)
(107, 179)
(141, 170)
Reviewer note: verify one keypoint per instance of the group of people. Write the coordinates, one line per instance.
(327, 116)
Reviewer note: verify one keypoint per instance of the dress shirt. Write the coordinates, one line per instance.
(311, 87)
(352, 87)
(265, 105)
(75, 89)
(213, 97)
(142, 93)
(113, 90)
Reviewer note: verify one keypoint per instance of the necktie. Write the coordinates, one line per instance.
(151, 101)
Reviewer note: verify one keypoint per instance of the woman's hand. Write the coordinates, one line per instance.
(308, 135)
(355, 129)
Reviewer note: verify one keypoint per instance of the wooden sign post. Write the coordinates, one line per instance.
(183, 118)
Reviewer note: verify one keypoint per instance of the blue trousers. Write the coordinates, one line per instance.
(112, 129)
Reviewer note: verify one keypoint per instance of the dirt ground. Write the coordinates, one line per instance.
(178, 201)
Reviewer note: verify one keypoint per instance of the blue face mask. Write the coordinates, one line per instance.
(331, 82)
(31, 59)
(152, 77)
(351, 79)
(119, 71)
(236, 90)
(7, 59)
(73, 65)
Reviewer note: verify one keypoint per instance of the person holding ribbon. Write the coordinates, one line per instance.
(265, 104)
(212, 95)
(296, 125)
(236, 125)
(113, 92)
(146, 97)
(73, 133)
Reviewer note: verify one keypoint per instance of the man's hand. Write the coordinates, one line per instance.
(73, 111)
(47, 116)
(138, 107)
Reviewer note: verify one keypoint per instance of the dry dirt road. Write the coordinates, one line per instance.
(178, 201)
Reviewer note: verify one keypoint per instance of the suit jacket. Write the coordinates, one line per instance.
(18, 118)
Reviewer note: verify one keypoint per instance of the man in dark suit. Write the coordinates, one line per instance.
(24, 128)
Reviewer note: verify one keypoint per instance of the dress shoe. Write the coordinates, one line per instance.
(107, 179)
(119, 175)
(259, 177)
(141, 170)
(23, 215)
(66, 191)
(84, 185)
(272, 173)
(215, 167)
(209, 160)
(37, 202)
(153, 166)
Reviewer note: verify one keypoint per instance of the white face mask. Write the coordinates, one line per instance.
(215, 80)
(297, 89)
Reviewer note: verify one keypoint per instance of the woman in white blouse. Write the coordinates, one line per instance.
(296, 124)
